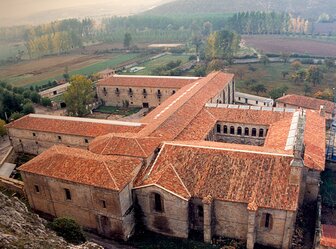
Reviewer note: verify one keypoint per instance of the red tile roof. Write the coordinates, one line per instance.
(307, 102)
(237, 175)
(124, 145)
(315, 141)
(84, 167)
(147, 81)
(70, 126)
(171, 117)
(328, 237)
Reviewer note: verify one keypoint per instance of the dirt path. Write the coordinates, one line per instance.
(107, 243)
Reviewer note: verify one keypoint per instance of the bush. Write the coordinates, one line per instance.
(28, 108)
(15, 116)
(46, 102)
(68, 229)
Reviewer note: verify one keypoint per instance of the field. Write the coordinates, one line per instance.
(162, 61)
(277, 44)
(38, 72)
(270, 75)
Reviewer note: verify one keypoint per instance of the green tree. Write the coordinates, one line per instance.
(68, 229)
(28, 108)
(314, 75)
(15, 116)
(330, 63)
(79, 94)
(2, 128)
(66, 75)
(307, 89)
(127, 40)
(278, 92)
(46, 102)
(35, 97)
(259, 88)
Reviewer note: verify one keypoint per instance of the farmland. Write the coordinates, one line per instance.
(278, 44)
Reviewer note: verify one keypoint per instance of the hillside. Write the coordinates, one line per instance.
(305, 8)
(20, 228)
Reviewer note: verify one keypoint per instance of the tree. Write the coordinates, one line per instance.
(284, 74)
(264, 59)
(307, 89)
(28, 108)
(15, 116)
(68, 229)
(79, 95)
(284, 57)
(330, 63)
(46, 102)
(259, 88)
(278, 92)
(35, 97)
(314, 75)
(296, 65)
(2, 128)
(66, 75)
(327, 94)
(127, 40)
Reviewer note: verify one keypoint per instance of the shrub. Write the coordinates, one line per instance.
(28, 108)
(68, 229)
(46, 102)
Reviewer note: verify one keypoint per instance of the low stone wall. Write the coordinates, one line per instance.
(12, 185)
(7, 156)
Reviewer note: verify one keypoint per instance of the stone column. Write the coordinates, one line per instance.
(251, 225)
(207, 209)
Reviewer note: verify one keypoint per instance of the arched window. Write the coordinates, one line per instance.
(232, 130)
(247, 132)
(254, 132)
(218, 128)
(225, 130)
(158, 203)
(239, 131)
(261, 132)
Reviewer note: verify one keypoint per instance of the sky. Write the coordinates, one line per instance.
(16, 12)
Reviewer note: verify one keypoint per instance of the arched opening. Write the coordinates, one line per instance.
(218, 128)
(239, 131)
(254, 132)
(261, 132)
(247, 132)
(232, 130)
(225, 130)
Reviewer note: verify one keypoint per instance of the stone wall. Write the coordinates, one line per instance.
(230, 219)
(92, 207)
(34, 142)
(136, 96)
(173, 221)
(312, 187)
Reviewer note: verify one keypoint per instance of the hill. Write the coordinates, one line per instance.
(304, 8)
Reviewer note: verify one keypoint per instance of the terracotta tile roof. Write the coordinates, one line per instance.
(71, 126)
(315, 141)
(225, 174)
(147, 81)
(328, 237)
(171, 117)
(84, 167)
(307, 102)
(124, 145)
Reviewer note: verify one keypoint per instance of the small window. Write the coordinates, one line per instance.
(158, 204)
(261, 132)
(225, 130)
(67, 194)
(267, 221)
(130, 90)
(246, 101)
(232, 130)
(200, 211)
(159, 91)
(144, 91)
(103, 203)
(59, 138)
(257, 102)
(34, 134)
(37, 189)
(239, 131)
(86, 140)
(174, 91)
(238, 98)
(247, 132)
(254, 132)
(36, 143)
(218, 128)
(117, 89)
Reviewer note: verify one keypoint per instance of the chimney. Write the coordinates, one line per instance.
(322, 110)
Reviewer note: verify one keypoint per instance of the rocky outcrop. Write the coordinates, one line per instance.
(20, 228)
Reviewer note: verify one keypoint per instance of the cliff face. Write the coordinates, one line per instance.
(20, 228)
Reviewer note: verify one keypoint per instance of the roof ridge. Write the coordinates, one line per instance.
(108, 170)
(178, 176)
(136, 139)
(108, 143)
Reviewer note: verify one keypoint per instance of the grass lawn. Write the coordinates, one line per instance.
(117, 110)
(159, 62)
(270, 75)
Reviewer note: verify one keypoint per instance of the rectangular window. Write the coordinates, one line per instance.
(37, 189)
(67, 194)
(59, 138)
(103, 203)
(257, 102)
(267, 220)
(34, 134)
(86, 140)
(158, 203)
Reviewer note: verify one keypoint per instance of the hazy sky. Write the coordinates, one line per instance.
(30, 11)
